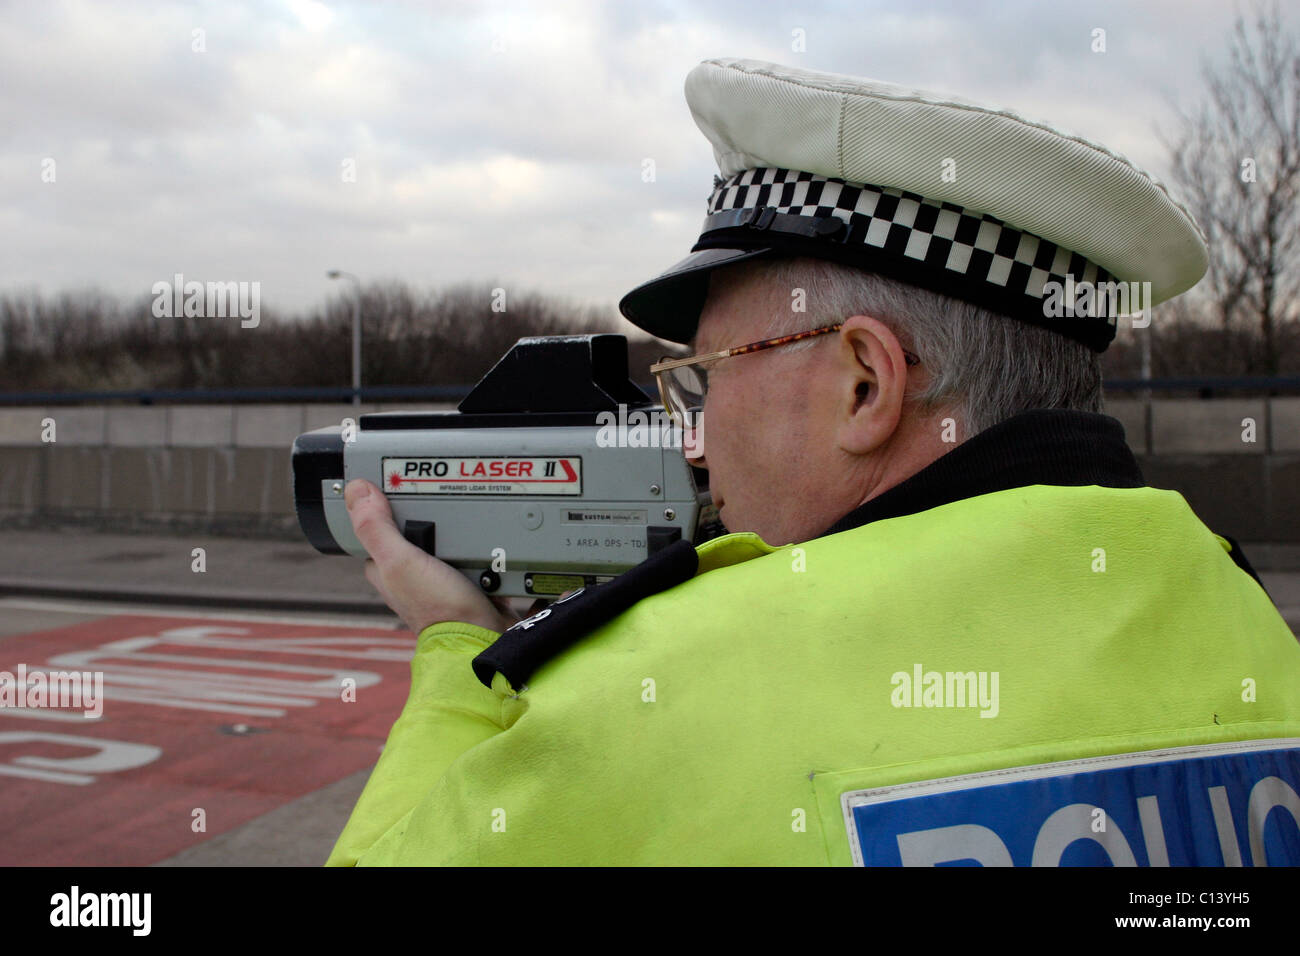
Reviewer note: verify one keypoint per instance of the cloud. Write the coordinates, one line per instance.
(502, 140)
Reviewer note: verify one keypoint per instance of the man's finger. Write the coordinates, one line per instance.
(372, 520)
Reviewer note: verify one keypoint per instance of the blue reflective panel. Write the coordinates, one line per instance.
(1225, 804)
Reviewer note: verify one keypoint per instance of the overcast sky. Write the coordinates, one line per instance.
(490, 140)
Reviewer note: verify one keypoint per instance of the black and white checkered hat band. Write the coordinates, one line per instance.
(932, 244)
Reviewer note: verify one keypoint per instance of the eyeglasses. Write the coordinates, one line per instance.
(684, 382)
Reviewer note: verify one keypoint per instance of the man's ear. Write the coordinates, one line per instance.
(872, 376)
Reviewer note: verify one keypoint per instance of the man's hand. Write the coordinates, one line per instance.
(419, 587)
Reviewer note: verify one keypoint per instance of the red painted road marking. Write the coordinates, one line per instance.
(122, 790)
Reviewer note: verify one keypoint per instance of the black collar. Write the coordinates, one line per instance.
(1049, 446)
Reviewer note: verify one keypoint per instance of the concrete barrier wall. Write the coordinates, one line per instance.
(179, 426)
(1247, 497)
(1133, 416)
(1228, 426)
(218, 461)
(233, 460)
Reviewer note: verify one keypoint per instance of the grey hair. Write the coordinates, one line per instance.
(983, 366)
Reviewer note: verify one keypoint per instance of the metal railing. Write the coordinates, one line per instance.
(1207, 387)
(1203, 387)
(229, 396)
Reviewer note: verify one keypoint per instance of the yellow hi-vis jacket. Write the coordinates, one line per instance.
(1068, 669)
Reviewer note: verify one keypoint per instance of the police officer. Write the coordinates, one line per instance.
(951, 624)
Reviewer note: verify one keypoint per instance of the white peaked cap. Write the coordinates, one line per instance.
(967, 200)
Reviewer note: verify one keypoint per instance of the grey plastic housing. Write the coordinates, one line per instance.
(631, 498)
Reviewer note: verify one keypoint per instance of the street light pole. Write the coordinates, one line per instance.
(356, 332)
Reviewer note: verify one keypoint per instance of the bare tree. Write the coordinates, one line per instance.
(1237, 160)
(449, 336)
